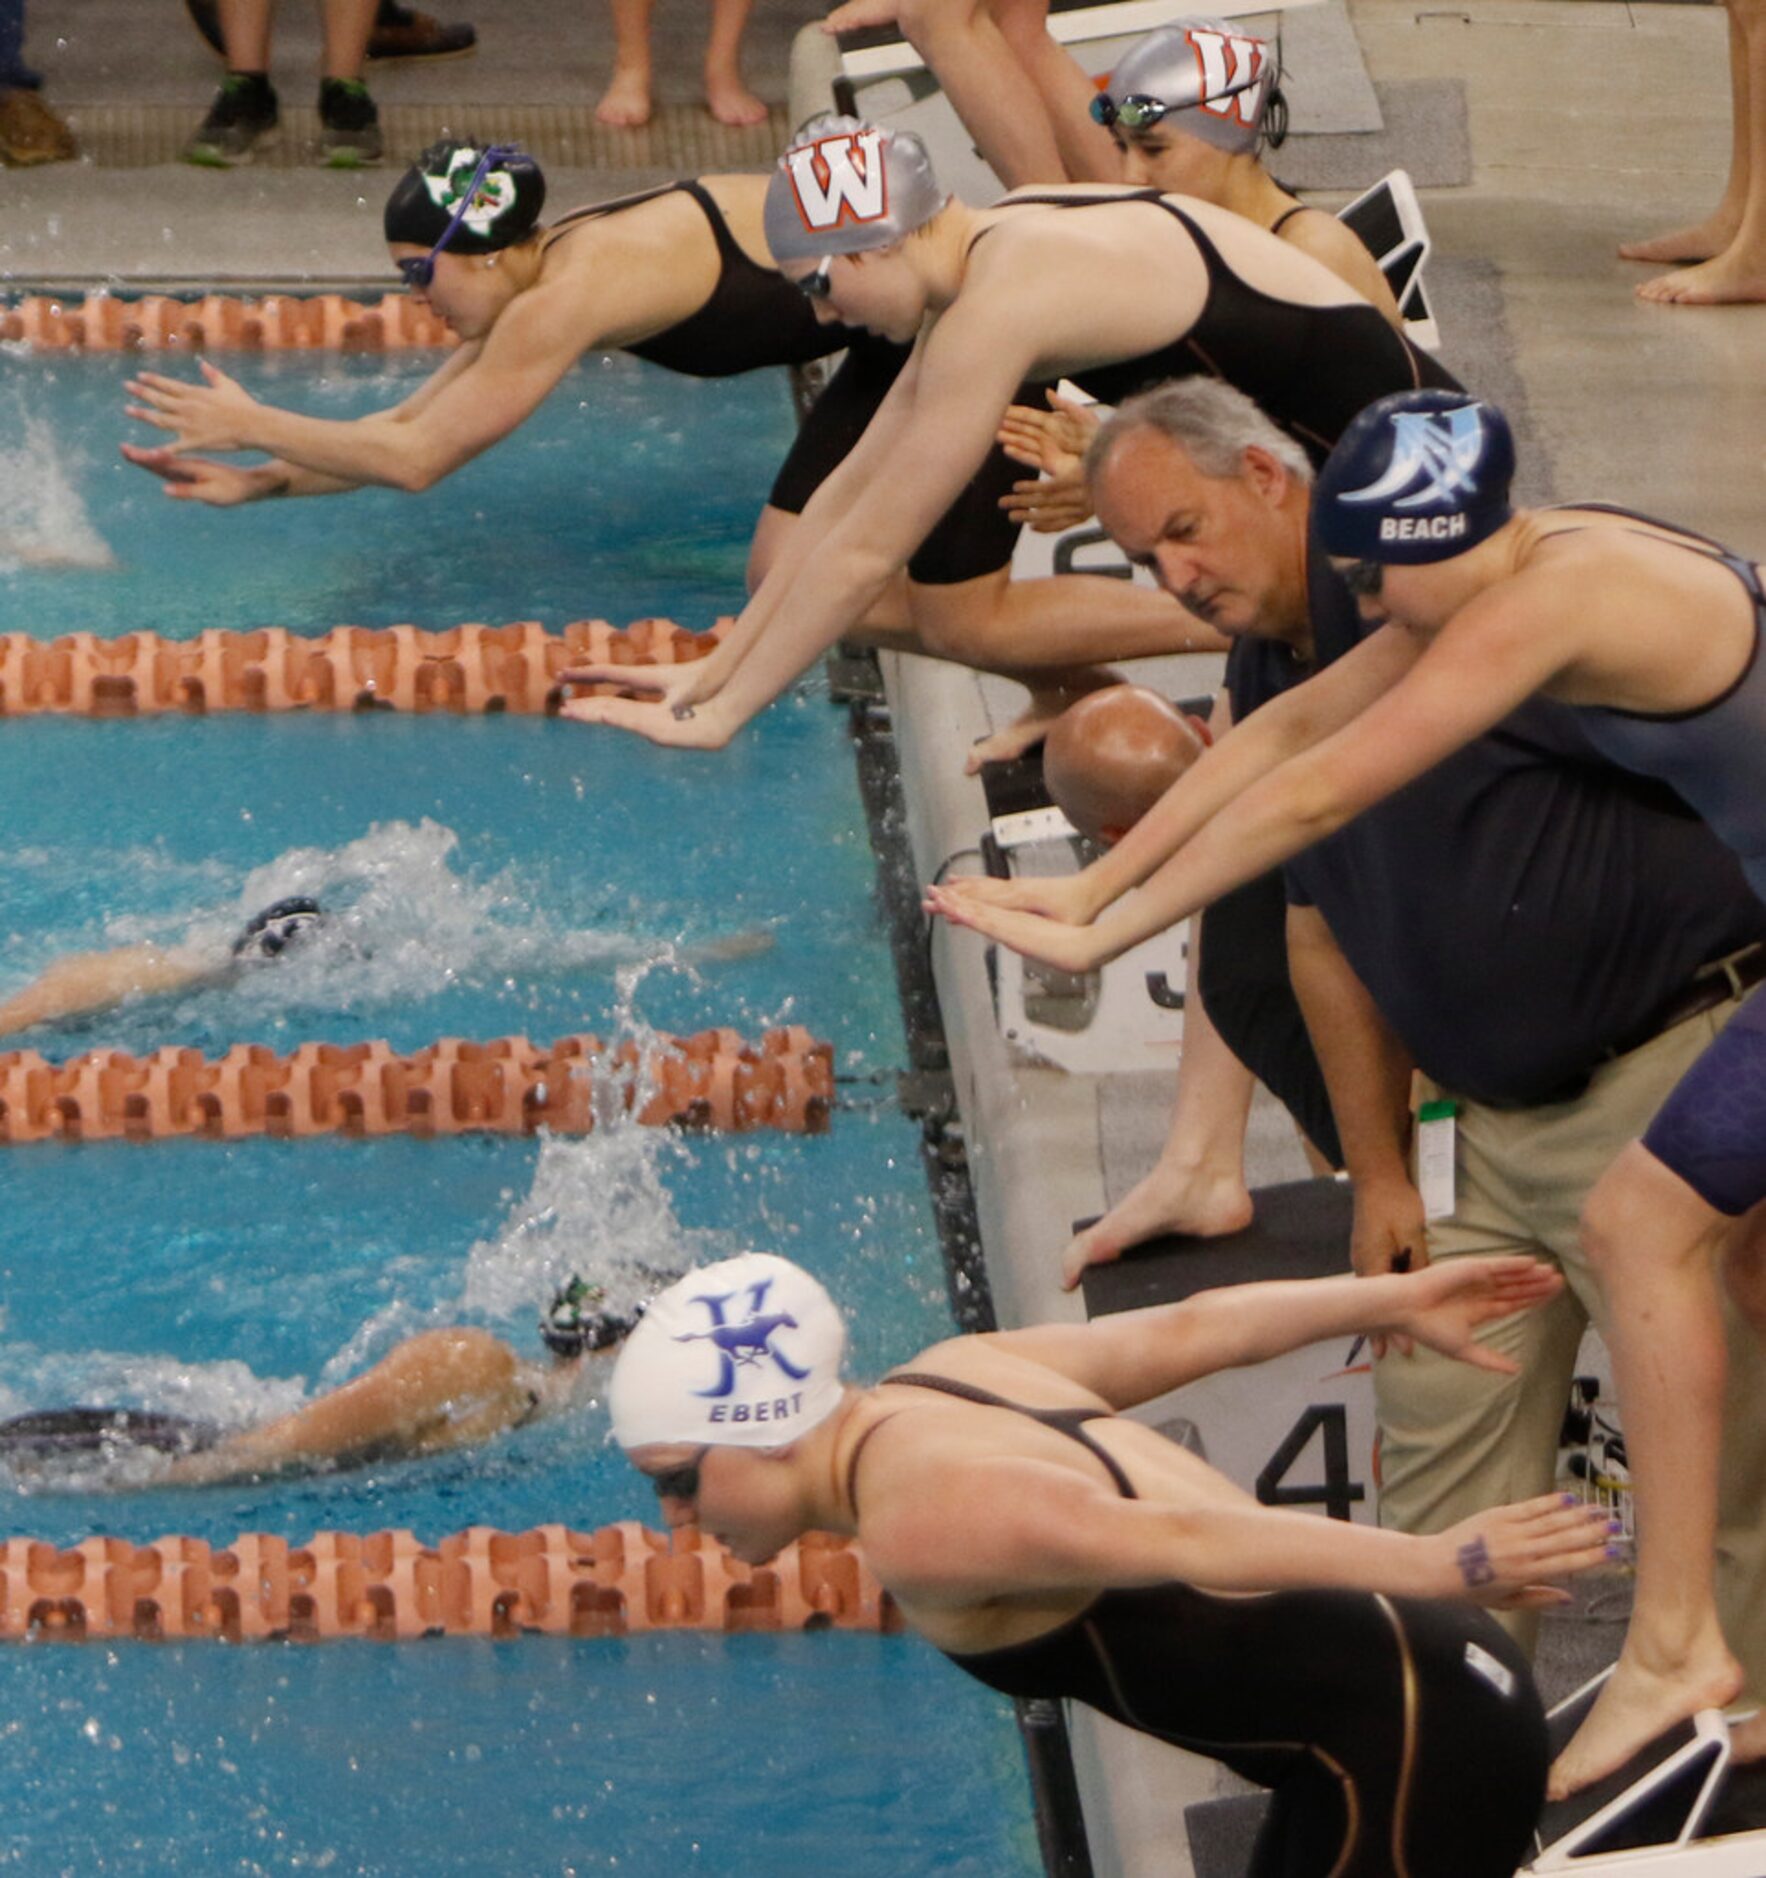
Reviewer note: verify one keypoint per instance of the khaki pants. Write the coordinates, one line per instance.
(1455, 1440)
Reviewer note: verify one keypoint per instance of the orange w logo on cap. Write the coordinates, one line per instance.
(840, 180)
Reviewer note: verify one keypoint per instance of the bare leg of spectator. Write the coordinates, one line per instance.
(348, 24)
(245, 31)
(626, 101)
(1701, 240)
(728, 99)
(1738, 273)
(988, 88)
(1088, 152)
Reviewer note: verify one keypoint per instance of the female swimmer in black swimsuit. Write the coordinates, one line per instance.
(439, 1389)
(1113, 288)
(1052, 1547)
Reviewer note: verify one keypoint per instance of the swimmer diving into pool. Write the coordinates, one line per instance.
(438, 1390)
(680, 276)
(1114, 288)
(1050, 1546)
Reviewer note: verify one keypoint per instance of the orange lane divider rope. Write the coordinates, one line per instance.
(465, 670)
(614, 1582)
(713, 1079)
(217, 322)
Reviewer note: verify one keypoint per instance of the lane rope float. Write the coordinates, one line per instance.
(218, 322)
(616, 1581)
(466, 670)
(713, 1079)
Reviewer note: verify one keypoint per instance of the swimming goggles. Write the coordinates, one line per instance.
(1135, 112)
(820, 284)
(1364, 579)
(680, 1483)
(418, 270)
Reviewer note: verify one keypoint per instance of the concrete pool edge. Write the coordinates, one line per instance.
(1035, 1157)
(925, 1094)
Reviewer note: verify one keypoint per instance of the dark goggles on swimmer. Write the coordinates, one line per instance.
(680, 1483)
(1364, 579)
(418, 270)
(820, 284)
(1135, 112)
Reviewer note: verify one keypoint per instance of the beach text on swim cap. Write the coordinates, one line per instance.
(1421, 527)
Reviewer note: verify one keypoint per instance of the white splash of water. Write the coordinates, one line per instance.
(403, 922)
(599, 1208)
(43, 521)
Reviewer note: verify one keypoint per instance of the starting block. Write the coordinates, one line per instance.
(1651, 1818)
(1127, 1016)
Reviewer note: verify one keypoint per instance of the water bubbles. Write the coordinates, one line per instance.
(44, 520)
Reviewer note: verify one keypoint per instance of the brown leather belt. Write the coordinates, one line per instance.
(1708, 987)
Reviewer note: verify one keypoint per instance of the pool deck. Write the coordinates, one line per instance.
(1589, 121)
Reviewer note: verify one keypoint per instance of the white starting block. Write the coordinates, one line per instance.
(1645, 1821)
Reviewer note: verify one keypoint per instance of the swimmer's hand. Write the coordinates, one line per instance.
(1055, 442)
(198, 479)
(680, 726)
(674, 687)
(1053, 942)
(1443, 1306)
(214, 415)
(1069, 898)
(1502, 1558)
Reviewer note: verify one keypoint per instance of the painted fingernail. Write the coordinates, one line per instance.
(1572, 1499)
(1615, 1525)
(1615, 1551)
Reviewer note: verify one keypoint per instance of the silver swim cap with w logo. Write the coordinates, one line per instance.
(1203, 77)
(844, 187)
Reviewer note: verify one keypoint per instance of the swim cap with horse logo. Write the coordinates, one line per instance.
(496, 189)
(1418, 476)
(845, 186)
(745, 1353)
(1203, 77)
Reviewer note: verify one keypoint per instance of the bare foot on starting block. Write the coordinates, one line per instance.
(1203, 1202)
(1636, 1706)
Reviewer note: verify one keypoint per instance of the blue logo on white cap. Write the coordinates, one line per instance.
(744, 1344)
(1434, 455)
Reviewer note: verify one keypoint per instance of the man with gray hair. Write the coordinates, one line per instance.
(1518, 931)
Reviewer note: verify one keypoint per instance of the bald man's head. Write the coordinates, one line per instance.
(1112, 755)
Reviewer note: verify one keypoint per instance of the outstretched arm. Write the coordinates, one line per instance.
(1131, 1357)
(1270, 737)
(463, 409)
(93, 981)
(960, 1530)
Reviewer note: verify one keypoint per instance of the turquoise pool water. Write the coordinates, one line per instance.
(488, 876)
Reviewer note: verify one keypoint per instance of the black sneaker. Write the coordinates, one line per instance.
(241, 121)
(349, 125)
(399, 33)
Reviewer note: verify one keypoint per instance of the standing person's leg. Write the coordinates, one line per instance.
(726, 97)
(626, 101)
(244, 117)
(1699, 241)
(1087, 149)
(1455, 1440)
(30, 133)
(1656, 1227)
(349, 124)
(1738, 271)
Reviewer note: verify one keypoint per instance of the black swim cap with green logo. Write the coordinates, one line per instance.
(504, 209)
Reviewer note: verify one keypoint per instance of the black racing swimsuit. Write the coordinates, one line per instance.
(755, 316)
(1311, 368)
(1402, 1738)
